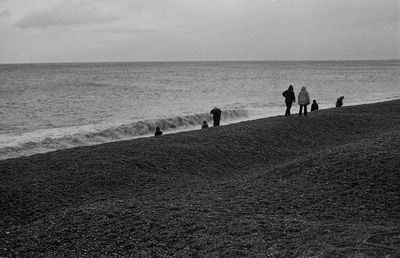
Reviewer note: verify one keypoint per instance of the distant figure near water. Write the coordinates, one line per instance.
(303, 100)
(289, 99)
(339, 101)
(216, 115)
(204, 125)
(158, 132)
(314, 105)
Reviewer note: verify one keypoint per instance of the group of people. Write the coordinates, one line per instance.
(216, 118)
(216, 112)
(303, 100)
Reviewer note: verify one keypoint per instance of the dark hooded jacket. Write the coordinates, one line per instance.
(289, 95)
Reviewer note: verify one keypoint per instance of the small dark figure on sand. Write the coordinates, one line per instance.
(158, 132)
(289, 99)
(303, 100)
(204, 125)
(314, 105)
(339, 101)
(216, 115)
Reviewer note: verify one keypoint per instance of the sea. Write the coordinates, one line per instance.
(48, 107)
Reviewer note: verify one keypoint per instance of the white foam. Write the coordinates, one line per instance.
(45, 140)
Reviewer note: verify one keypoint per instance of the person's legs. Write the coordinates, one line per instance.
(287, 110)
(301, 110)
(288, 106)
(305, 110)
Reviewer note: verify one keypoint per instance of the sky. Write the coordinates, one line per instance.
(39, 31)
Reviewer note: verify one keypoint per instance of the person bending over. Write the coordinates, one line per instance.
(339, 101)
(216, 115)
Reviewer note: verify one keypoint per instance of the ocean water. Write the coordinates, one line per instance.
(46, 107)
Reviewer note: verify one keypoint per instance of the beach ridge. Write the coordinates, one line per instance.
(284, 186)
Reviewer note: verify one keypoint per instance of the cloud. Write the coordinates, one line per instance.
(4, 13)
(67, 13)
(125, 30)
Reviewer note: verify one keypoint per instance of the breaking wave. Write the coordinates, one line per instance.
(31, 143)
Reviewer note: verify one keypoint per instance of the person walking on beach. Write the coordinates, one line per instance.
(339, 101)
(303, 100)
(216, 115)
(314, 105)
(158, 132)
(289, 99)
(204, 125)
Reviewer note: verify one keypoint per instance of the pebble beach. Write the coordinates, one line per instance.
(325, 185)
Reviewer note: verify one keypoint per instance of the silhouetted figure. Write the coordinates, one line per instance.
(314, 105)
(339, 101)
(204, 125)
(289, 99)
(303, 100)
(216, 115)
(158, 132)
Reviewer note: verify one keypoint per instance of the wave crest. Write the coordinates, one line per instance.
(35, 145)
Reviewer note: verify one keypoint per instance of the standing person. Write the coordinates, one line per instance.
(303, 100)
(216, 115)
(158, 132)
(314, 105)
(289, 99)
(339, 101)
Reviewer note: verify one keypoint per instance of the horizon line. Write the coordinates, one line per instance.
(203, 61)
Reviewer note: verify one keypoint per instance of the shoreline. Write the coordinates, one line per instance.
(280, 186)
(28, 148)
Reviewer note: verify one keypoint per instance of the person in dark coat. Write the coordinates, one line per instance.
(339, 101)
(314, 105)
(216, 115)
(158, 132)
(289, 99)
(204, 125)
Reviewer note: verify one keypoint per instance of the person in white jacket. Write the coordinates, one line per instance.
(303, 100)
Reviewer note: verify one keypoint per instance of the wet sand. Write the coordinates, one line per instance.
(324, 185)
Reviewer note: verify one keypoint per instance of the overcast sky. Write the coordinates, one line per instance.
(152, 30)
